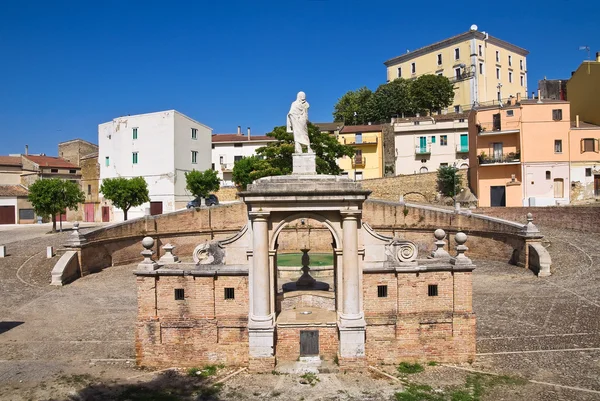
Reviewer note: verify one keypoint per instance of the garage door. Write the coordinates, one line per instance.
(7, 215)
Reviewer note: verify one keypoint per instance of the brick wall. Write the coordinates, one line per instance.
(288, 340)
(414, 187)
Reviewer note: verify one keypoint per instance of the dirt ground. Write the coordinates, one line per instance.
(541, 336)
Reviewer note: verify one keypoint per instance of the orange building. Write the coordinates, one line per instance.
(525, 152)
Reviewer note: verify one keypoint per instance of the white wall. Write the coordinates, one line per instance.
(184, 145)
(228, 151)
(164, 154)
(537, 186)
(407, 139)
(11, 202)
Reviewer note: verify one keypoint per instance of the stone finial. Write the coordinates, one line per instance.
(440, 252)
(168, 257)
(76, 239)
(530, 228)
(461, 238)
(148, 264)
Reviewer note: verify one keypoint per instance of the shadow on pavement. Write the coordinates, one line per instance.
(5, 326)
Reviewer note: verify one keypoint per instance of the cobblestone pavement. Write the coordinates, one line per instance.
(543, 329)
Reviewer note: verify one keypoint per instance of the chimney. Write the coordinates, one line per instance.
(26, 150)
(598, 57)
(239, 130)
(577, 121)
(248, 133)
(539, 96)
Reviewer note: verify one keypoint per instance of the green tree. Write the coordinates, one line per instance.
(53, 196)
(432, 92)
(449, 181)
(201, 183)
(251, 168)
(354, 107)
(393, 99)
(125, 193)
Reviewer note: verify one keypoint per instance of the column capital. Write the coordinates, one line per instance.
(259, 216)
(350, 214)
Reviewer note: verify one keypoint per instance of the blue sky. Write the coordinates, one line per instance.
(67, 66)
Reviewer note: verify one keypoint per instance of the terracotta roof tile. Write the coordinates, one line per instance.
(49, 161)
(10, 160)
(13, 190)
(348, 129)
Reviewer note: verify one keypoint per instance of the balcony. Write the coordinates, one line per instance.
(423, 150)
(498, 128)
(359, 161)
(364, 141)
(462, 148)
(227, 167)
(506, 158)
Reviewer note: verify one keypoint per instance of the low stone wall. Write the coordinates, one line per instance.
(413, 187)
(227, 194)
(580, 218)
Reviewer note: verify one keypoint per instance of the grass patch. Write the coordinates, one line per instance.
(474, 388)
(410, 368)
(206, 371)
(295, 259)
(432, 363)
(310, 378)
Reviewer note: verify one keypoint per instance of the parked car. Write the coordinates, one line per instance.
(210, 200)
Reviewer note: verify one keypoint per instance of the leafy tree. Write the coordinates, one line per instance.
(432, 92)
(393, 99)
(249, 169)
(201, 183)
(354, 107)
(53, 196)
(125, 193)
(449, 181)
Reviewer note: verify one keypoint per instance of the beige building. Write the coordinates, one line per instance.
(583, 89)
(483, 68)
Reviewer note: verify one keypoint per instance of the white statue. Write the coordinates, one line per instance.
(297, 122)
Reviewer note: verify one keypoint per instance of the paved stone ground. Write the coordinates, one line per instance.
(62, 343)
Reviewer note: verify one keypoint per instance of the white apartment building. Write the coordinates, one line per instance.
(229, 148)
(423, 144)
(161, 147)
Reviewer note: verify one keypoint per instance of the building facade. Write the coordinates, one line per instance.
(367, 141)
(583, 89)
(483, 68)
(423, 144)
(229, 148)
(531, 154)
(160, 147)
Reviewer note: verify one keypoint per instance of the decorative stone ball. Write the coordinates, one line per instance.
(76, 225)
(460, 238)
(148, 242)
(439, 234)
(529, 217)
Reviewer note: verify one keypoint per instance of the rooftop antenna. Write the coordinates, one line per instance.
(587, 48)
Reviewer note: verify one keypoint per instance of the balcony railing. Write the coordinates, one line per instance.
(500, 159)
(423, 150)
(359, 161)
(497, 127)
(227, 167)
(364, 141)
(462, 148)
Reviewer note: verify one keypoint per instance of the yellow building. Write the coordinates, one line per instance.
(583, 89)
(482, 67)
(367, 142)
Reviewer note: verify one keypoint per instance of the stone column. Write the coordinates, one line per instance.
(260, 324)
(352, 323)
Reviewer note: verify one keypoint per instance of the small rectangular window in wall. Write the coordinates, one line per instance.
(54, 170)
(107, 161)
(29, 214)
(557, 114)
(413, 68)
(432, 290)
(456, 53)
(522, 80)
(433, 139)
(134, 157)
(72, 171)
(588, 145)
(548, 175)
(89, 189)
(179, 294)
(510, 76)
(212, 166)
(557, 146)
(238, 145)
(509, 60)
(194, 133)
(480, 50)
(588, 172)
(443, 140)
(382, 291)
(521, 64)
(229, 293)
(497, 56)
(194, 157)
(481, 68)
(497, 73)
(510, 113)
(134, 133)
(439, 59)
(399, 72)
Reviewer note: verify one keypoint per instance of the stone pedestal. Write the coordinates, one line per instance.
(49, 252)
(352, 341)
(304, 164)
(168, 257)
(2, 251)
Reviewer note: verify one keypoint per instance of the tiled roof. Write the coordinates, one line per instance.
(13, 190)
(584, 125)
(49, 161)
(240, 138)
(348, 129)
(10, 160)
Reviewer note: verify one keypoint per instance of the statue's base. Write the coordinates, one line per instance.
(304, 164)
